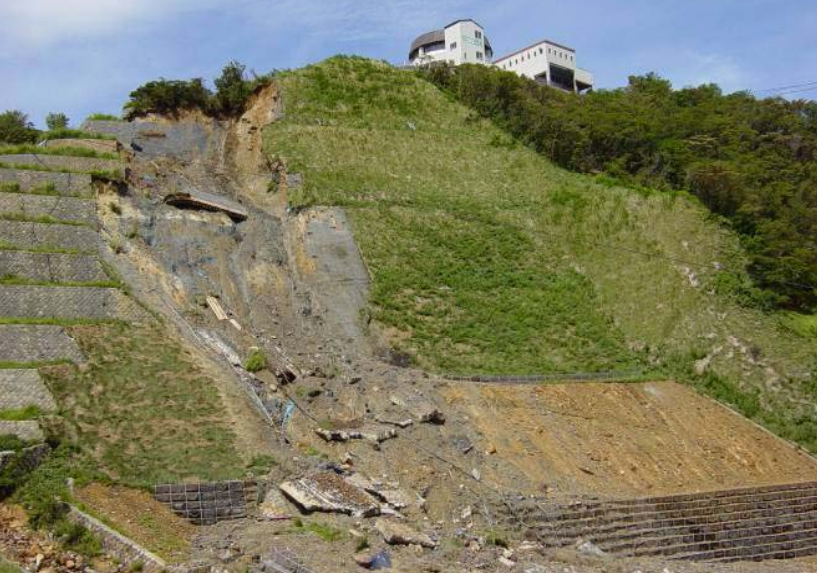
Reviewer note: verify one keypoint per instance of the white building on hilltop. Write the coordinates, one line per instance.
(461, 42)
(465, 42)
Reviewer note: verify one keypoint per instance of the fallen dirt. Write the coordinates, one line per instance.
(143, 519)
(625, 439)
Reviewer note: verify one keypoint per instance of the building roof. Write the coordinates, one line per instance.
(455, 22)
(533, 46)
(428, 38)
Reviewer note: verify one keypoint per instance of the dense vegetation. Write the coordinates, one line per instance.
(169, 97)
(486, 258)
(751, 161)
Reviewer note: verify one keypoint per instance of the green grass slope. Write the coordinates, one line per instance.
(486, 258)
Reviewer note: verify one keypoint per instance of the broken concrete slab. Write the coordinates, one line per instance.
(328, 492)
(388, 493)
(399, 534)
(418, 407)
(374, 434)
(208, 202)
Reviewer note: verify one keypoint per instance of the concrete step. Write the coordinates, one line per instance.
(75, 184)
(23, 343)
(710, 522)
(22, 388)
(64, 209)
(100, 145)
(42, 236)
(785, 546)
(46, 162)
(670, 542)
(613, 526)
(28, 430)
(51, 267)
(67, 303)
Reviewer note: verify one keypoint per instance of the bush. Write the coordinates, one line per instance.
(103, 117)
(256, 361)
(56, 121)
(16, 128)
(169, 97)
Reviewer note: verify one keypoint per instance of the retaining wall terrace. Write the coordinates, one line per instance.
(81, 164)
(22, 388)
(72, 209)
(42, 236)
(27, 459)
(25, 343)
(183, 140)
(64, 183)
(100, 145)
(770, 522)
(27, 430)
(51, 267)
(209, 503)
(67, 303)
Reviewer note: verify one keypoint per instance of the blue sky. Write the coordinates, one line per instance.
(82, 56)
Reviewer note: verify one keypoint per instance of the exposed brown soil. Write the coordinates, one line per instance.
(626, 439)
(137, 515)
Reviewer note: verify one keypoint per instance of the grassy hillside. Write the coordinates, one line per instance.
(488, 259)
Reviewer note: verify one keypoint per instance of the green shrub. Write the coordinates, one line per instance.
(11, 443)
(103, 117)
(262, 464)
(16, 128)
(19, 414)
(73, 134)
(56, 121)
(256, 361)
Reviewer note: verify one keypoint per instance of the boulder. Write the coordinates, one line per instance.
(399, 534)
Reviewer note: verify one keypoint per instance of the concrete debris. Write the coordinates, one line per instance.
(475, 473)
(419, 408)
(589, 549)
(330, 493)
(235, 324)
(399, 423)
(216, 307)
(374, 562)
(371, 434)
(274, 507)
(507, 562)
(388, 493)
(399, 534)
(433, 416)
(207, 202)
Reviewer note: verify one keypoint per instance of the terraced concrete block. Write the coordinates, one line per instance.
(22, 388)
(25, 343)
(64, 183)
(68, 303)
(72, 209)
(28, 430)
(43, 236)
(100, 145)
(51, 267)
(82, 164)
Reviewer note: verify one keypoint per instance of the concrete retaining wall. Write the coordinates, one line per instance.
(23, 388)
(183, 141)
(82, 164)
(64, 183)
(208, 503)
(61, 208)
(28, 430)
(51, 267)
(34, 343)
(27, 459)
(127, 551)
(67, 303)
(40, 235)
(100, 145)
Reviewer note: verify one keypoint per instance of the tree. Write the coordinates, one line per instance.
(232, 89)
(56, 121)
(16, 128)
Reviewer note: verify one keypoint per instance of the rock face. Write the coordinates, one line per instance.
(398, 534)
(329, 492)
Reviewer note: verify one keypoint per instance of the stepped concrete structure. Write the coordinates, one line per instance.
(50, 274)
(753, 524)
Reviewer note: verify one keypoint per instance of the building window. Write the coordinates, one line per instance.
(479, 55)
(478, 35)
(541, 50)
(453, 45)
(550, 51)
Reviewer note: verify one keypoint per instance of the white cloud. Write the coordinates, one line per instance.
(695, 68)
(42, 23)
